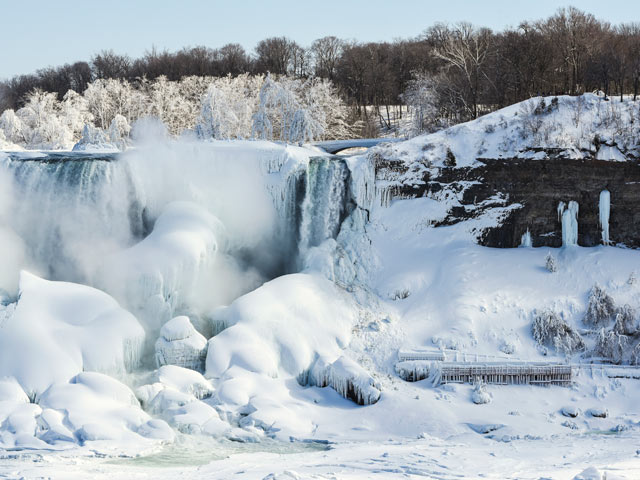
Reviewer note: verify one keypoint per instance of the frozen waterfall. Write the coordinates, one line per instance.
(568, 216)
(326, 201)
(605, 210)
(525, 240)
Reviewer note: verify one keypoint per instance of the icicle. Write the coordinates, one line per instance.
(605, 209)
(525, 240)
(568, 215)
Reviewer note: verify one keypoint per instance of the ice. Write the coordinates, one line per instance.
(525, 240)
(605, 209)
(60, 329)
(180, 344)
(568, 215)
(325, 201)
(346, 377)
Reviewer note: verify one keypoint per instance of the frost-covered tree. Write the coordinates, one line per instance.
(42, 124)
(626, 322)
(600, 309)
(612, 346)
(550, 263)
(119, 132)
(12, 127)
(75, 112)
(549, 330)
(217, 118)
(423, 99)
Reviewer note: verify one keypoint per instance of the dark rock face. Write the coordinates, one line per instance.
(539, 186)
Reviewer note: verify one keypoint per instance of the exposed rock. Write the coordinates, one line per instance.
(538, 186)
(570, 411)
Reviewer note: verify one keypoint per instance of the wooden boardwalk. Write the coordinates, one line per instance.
(503, 373)
(506, 374)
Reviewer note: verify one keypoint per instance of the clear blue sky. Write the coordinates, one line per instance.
(39, 33)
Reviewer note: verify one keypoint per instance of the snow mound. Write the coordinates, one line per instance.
(97, 407)
(269, 330)
(160, 274)
(180, 344)
(185, 381)
(60, 329)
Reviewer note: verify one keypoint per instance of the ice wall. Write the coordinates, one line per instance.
(605, 210)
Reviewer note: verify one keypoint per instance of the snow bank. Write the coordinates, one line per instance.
(59, 329)
(281, 327)
(585, 126)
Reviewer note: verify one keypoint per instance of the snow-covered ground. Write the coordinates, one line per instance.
(200, 274)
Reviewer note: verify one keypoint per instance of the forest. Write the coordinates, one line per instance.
(446, 75)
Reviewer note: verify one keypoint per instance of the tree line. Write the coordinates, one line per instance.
(463, 69)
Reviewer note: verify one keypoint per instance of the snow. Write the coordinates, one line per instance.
(585, 126)
(60, 329)
(604, 208)
(291, 354)
(180, 344)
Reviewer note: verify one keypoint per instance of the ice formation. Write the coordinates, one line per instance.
(181, 345)
(605, 210)
(346, 377)
(525, 240)
(568, 216)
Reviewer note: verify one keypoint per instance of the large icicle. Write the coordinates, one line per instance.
(525, 240)
(605, 210)
(568, 215)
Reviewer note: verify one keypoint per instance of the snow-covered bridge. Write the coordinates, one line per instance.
(335, 146)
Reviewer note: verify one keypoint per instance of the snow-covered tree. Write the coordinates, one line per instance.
(12, 127)
(119, 132)
(423, 99)
(626, 322)
(601, 308)
(217, 117)
(549, 330)
(550, 263)
(612, 346)
(42, 125)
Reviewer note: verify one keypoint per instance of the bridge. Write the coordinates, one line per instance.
(335, 146)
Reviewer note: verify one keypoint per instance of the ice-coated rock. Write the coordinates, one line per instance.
(181, 344)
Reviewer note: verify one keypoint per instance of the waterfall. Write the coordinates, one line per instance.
(71, 210)
(568, 216)
(605, 210)
(325, 202)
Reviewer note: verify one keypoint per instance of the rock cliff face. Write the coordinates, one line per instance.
(538, 186)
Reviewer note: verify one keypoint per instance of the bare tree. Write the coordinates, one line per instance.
(326, 53)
